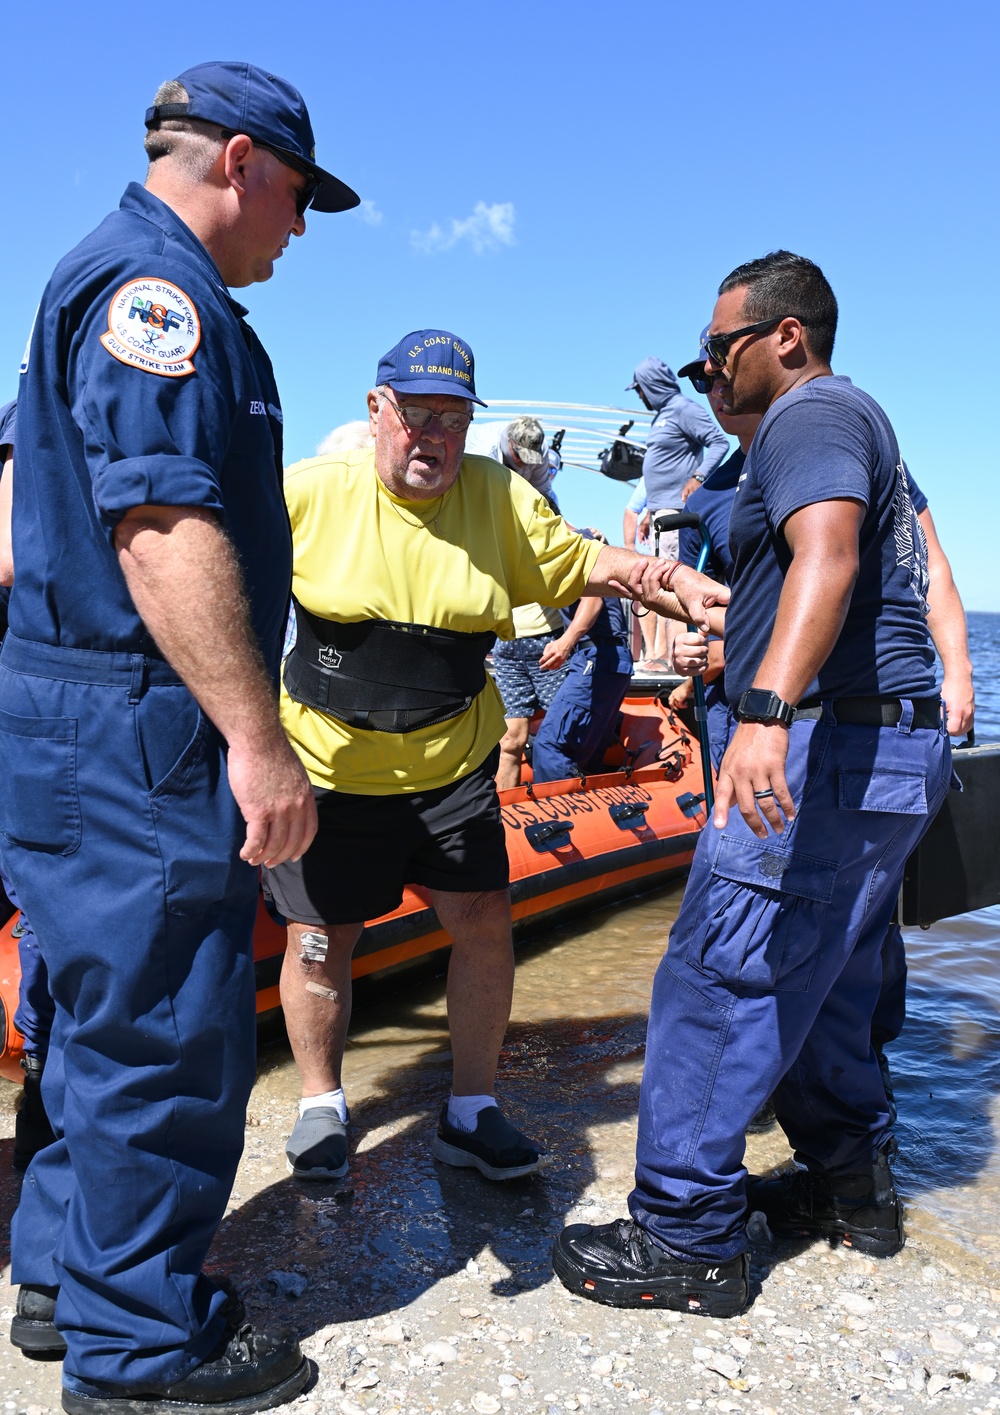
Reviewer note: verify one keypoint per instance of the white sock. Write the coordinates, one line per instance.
(462, 1110)
(335, 1099)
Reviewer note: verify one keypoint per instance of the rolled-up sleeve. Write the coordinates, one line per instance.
(555, 562)
(154, 440)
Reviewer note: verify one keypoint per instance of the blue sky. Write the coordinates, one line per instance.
(564, 185)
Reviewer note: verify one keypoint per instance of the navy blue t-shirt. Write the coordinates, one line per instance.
(713, 502)
(143, 385)
(828, 441)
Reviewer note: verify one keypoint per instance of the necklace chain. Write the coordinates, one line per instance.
(431, 520)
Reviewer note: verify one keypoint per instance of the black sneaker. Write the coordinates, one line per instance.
(33, 1326)
(495, 1147)
(861, 1210)
(250, 1370)
(317, 1146)
(620, 1265)
(764, 1120)
(32, 1131)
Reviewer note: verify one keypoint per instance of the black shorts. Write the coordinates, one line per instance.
(368, 847)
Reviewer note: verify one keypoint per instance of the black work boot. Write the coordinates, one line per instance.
(860, 1210)
(32, 1131)
(620, 1265)
(764, 1119)
(249, 1370)
(33, 1326)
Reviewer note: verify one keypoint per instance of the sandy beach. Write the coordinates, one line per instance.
(416, 1288)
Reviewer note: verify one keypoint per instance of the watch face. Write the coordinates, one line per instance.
(758, 702)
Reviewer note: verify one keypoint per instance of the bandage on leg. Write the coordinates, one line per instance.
(314, 947)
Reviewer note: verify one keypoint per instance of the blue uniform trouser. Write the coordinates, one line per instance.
(35, 1008)
(720, 723)
(121, 835)
(771, 977)
(890, 1010)
(580, 721)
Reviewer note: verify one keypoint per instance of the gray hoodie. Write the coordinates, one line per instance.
(683, 439)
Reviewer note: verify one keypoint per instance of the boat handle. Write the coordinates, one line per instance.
(548, 835)
(628, 814)
(690, 804)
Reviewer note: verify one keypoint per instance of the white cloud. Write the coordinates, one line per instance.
(369, 213)
(488, 228)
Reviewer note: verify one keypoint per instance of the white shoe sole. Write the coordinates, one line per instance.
(316, 1173)
(462, 1159)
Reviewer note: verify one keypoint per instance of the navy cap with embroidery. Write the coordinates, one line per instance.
(696, 368)
(244, 99)
(430, 361)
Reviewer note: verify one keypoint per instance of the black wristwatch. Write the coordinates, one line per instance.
(761, 705)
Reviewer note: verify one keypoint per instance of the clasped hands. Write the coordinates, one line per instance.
(695, 593)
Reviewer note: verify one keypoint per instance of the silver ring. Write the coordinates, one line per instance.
(759, 795)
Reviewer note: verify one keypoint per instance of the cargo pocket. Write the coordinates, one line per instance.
(39, 800)
(880, 788)
(193, 814)
(767, 912)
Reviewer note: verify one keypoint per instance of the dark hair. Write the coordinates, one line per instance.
(780, 284)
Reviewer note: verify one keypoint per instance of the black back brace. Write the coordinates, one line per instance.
(382, 676)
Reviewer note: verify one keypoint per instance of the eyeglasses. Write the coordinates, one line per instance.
(717, 345)
(304, 195)
(701, 384)
(416, 416)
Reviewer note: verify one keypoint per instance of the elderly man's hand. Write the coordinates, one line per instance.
(689, 488)
(695, 592)
(690, 654)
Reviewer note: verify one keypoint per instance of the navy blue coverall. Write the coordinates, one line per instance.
(580, 719)
(774, 965)
(143, 386)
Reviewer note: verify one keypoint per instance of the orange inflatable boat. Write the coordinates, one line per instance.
(573, 845)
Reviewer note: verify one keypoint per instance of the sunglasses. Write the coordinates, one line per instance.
(717, 345)
(304, 195)
(701, 384)
(416, 416)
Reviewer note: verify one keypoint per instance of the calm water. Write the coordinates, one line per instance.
(984, 644)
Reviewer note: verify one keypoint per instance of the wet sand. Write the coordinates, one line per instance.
(417, 1288)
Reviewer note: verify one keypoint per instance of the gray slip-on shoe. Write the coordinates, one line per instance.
(317, 1146)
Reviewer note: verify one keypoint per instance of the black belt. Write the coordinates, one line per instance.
(874, 712)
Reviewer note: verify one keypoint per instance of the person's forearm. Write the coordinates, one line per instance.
(185, 580)
(583, 620)
(811, 612)
(629, 523)
(615, 569)
(945, 614)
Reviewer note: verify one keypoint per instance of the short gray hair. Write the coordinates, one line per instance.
(190, 143)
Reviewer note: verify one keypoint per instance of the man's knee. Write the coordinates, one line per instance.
(513, 740)
(314, 948)
(468, 917)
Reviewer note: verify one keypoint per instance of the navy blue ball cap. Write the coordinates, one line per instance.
(430, 361)
(245, 99)
(696, 368)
